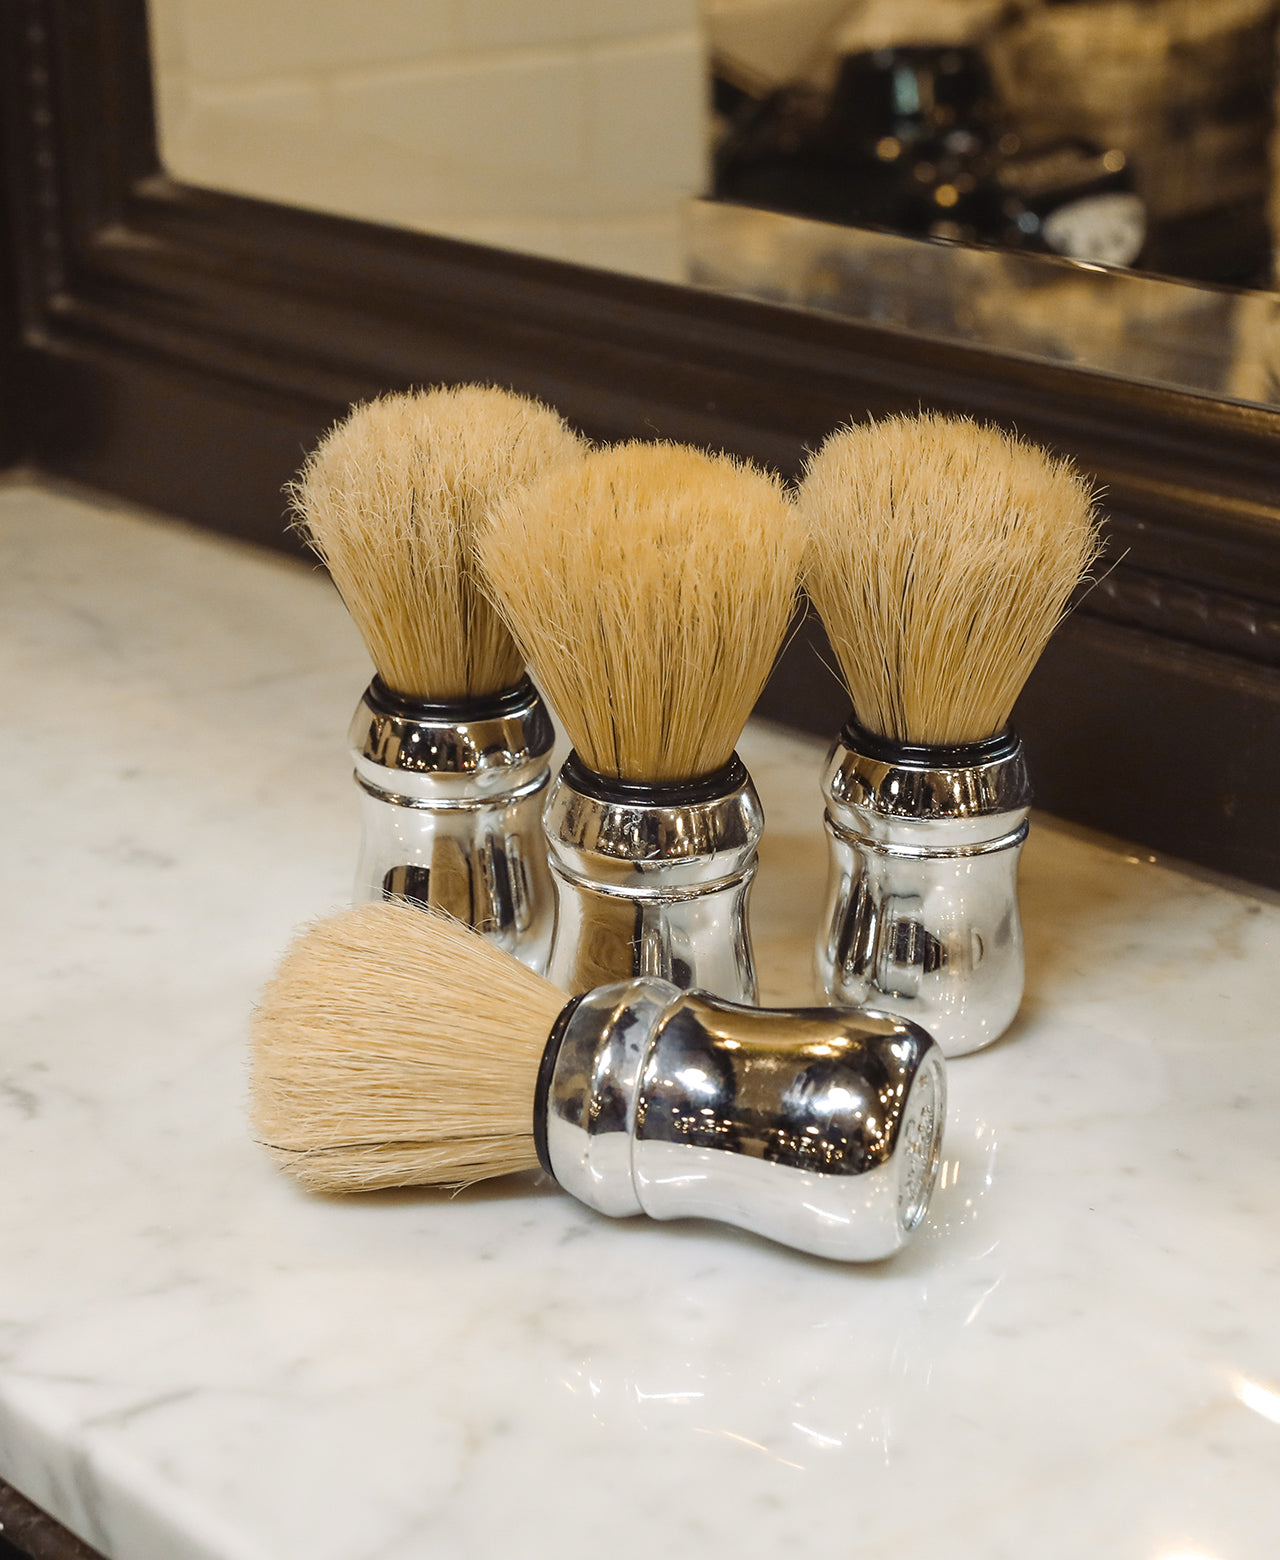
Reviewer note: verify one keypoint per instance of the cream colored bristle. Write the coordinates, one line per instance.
(649, 587)
(941, 556)
(395, 1047)
(391, 499)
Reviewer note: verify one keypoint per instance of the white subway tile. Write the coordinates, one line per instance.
(511, 114)
(168, 42)
(582, 152)
(260, 102)
(508, 24)
(649, 122)
(265, 140)
(170, 108)
(247, 38)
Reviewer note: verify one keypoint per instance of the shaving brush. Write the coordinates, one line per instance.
(650, 587)
(941, 557)
(394, 1048)
(451, 741)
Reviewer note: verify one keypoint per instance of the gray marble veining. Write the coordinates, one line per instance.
(1077, 1356)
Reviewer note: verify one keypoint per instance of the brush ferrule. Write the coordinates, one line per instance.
(905, 783)
(422, 747)
(922, 910)
(451, 797)
(653, 880)
(818, 1128)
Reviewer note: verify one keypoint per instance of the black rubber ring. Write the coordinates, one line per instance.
(490, 706)
(658, 793)
(917, 755)
(542, 1089)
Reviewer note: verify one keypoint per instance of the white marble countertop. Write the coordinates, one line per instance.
(1078, 1356)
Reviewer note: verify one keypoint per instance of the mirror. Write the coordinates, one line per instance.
(181, 346)
(1006, 175)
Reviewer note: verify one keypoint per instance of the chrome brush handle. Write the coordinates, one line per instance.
(819, 1128)
(921, 915)
(451, 803)
(653, 880)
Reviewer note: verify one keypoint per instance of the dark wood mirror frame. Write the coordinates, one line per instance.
(181, 347)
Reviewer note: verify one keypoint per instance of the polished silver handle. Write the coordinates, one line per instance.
(653, 881)
(451, 811)
(921, 913)
(820, 1128)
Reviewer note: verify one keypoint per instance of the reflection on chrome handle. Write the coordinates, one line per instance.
(921, 914)
(820, 1128)
(451, 803)
(653, 887)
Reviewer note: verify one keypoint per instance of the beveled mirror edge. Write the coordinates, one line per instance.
(181, 348)
(1198, 337)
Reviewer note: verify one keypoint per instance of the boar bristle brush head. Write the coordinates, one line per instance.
(941, 557)
(394, 1048)
(649, 587)
(391, 500)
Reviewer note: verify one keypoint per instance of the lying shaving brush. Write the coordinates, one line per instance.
(941, 557)
(394, 1048)
(650, 586)
(451, 742)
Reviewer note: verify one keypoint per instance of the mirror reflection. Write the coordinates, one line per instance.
(773, 146)
(574, 129)
(1123, 132)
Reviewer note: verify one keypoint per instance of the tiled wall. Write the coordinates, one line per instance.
(573, 128)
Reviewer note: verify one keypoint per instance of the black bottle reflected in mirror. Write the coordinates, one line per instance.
(914, 140)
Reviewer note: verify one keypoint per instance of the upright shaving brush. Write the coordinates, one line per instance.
(941, 557)
(394, 1048)
(650, 587)
(451, 741)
